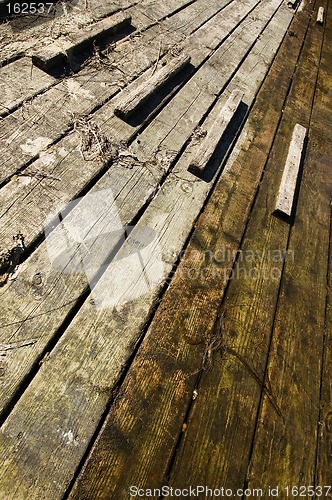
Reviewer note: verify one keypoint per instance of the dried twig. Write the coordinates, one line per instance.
(94, 143)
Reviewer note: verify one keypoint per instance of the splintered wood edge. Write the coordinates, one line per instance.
(320, 16)
(215, 133)
(50, 56)
(140, 93)
(285, 197)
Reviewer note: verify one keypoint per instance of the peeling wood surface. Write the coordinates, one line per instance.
(223, 329)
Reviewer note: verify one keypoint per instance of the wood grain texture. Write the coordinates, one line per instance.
(26, 134)
(229, 393)
(145, 185)
(136, 95)
(215, 134)
(63, 161)
(53, 54)
(294, 363)
(155, 398)
(94, 405)
(320, 161)
(286, 193)
(119, 185)
(20, 82)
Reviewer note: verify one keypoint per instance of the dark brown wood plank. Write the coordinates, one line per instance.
(229, 394)
(320, 166)
(294, 365)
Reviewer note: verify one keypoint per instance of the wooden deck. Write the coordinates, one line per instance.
(163, 328)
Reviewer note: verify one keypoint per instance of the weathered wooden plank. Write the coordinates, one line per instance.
(138, 93)
(215, 134)
(163, 376)
(65, 160)
(232, 391)
(320, 16)
(19, 82)
(74, 437)
(25, 135)
(319, 249)
(293, 368)
(54, 54)
(286, 192)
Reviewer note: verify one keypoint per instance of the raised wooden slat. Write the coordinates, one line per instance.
(19, 82)
(51, 114)
(166, 217)
(65, 160)
(52, 55)
(292, 4)
(137, 94)
(320, 16)
(286, 193)
(215, 134)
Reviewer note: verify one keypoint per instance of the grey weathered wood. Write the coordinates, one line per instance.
(50, 114)
(64, 160)
(52, 55)
(19, 82)
(138, 93)
(90, 356)
(287, 187)
(320, 16)
(215, 133)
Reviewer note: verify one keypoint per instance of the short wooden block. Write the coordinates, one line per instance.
(285, 197)
(138, 94)
(320, 16)
(215, 134)
(60, 50)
